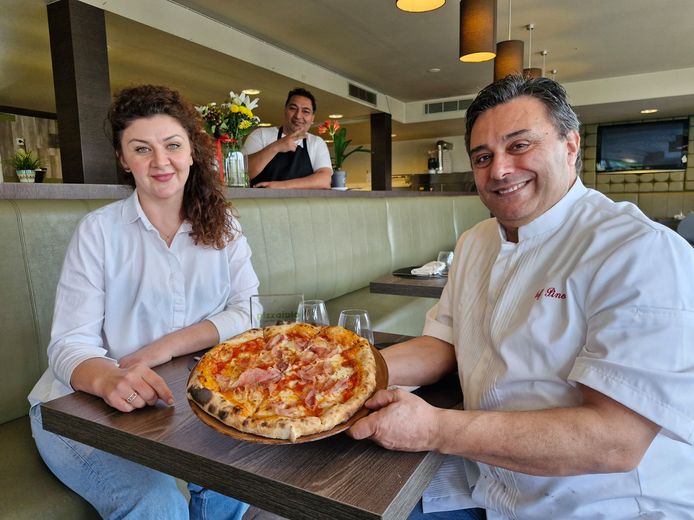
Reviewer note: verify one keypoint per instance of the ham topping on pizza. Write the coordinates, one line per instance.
(257, 376)
(285, 381)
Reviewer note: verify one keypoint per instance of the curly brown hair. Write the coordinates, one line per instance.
(204, 204)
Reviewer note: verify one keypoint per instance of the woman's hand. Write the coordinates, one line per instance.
(402, 421)
(124, 389)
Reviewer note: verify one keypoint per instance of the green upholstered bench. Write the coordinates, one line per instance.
(324, 247)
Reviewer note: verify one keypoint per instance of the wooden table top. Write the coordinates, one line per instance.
(336, 477)
(403, 286)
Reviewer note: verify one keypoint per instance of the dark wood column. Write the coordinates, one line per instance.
(381, 152)
(82, 91)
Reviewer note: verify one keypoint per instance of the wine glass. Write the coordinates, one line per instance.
(357, 320)
(313, 312)
(447, 258)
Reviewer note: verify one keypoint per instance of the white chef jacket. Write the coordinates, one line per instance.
(121, 288)
(596, 293)
(317, 149)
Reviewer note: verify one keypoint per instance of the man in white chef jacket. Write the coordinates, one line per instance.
(570, 321)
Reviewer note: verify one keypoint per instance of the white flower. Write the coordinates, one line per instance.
(243, 99)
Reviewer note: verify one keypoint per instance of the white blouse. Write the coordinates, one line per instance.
(121, 288)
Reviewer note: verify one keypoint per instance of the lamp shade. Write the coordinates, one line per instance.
(419, 6)
(477, 30)
(509, 58)
(532, 73)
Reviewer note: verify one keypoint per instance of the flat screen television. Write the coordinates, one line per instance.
(657, 145)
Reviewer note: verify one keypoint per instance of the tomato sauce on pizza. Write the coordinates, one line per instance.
(285, 381)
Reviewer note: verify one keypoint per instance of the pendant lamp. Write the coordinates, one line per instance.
(509, 54)
(544, 54)
(531, 72)
(419, 6)
(477, 30)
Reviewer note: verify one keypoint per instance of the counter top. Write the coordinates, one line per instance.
(15, 190)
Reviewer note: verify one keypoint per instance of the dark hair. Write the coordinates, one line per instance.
(298, 91)
(204, 205)
(550, 93)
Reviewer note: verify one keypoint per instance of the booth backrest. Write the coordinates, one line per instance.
(34, 235)
(327, 247)
(321, 247)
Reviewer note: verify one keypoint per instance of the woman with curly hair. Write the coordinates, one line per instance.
(160, 274)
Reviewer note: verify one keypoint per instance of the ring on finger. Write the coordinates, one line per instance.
(131, 397)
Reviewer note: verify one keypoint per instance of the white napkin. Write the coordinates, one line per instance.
(429, 269)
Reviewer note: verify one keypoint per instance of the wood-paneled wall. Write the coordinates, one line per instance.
(40, 136)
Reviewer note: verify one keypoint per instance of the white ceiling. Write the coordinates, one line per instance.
(614, 56)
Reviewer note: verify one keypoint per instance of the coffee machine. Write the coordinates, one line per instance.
(442, 146)
(437, 159)
(433, 161)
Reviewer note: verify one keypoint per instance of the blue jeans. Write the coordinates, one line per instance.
(117, 487)
(459, 514)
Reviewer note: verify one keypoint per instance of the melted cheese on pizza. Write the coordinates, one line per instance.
(285, 372)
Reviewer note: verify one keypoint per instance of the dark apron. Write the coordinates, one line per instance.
(286, 165)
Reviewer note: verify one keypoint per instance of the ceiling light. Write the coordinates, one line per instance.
(544, 53)
(509, 54)
(264, 124)
(531, 72)
(477, 30)
(251, 91)
(509, 58)
(335, 116)
(419, 6)
(393, 135)
(434, 70)
(649, 110)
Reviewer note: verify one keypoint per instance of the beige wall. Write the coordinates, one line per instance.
(409, 157)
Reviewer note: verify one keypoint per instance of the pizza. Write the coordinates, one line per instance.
(285, 381)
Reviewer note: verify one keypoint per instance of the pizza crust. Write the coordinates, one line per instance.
(285, 381)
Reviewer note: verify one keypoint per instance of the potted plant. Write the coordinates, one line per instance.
(25, 164)
(340, 143)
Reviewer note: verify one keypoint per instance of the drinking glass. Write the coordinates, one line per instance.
(313, 312)
(274, 309)
(447, 258)
(357, 320)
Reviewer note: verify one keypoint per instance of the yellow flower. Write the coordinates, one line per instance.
(233, 118)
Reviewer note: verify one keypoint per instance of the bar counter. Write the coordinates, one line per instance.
(16, 190)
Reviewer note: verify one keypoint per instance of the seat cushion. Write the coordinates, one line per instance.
(29, 489)
(388, 313)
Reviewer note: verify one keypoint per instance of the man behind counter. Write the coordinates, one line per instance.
(289, 157)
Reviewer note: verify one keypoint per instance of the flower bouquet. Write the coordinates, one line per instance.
(340, 142)
(229, 123)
